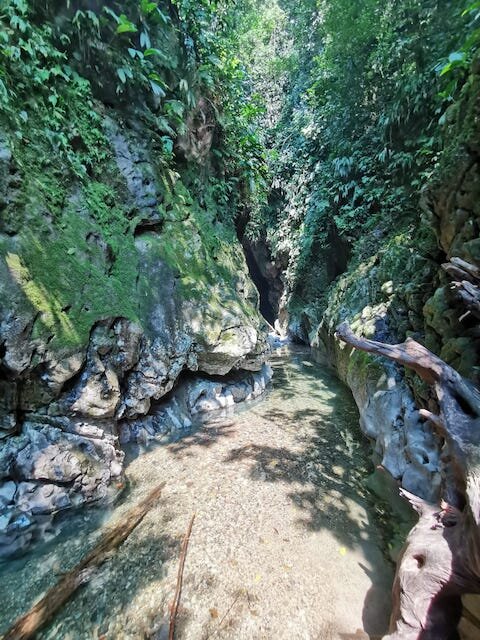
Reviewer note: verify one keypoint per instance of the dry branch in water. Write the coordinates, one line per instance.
(28, 625)
(178, 589)
(441, 559)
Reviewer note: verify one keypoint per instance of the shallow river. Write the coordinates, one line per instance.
(286, 544)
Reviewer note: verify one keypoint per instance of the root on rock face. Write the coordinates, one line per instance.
(441, 559)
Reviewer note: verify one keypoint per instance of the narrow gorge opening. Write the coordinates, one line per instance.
(264, 273)
(262, 284)
(184, 153)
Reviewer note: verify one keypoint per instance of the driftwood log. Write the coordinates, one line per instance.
(28, 625)
(441, 559)
(465, 284)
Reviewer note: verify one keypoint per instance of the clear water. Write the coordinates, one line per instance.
(281, 485)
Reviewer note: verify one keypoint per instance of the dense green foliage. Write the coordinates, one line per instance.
(327, 118)
(165, 56)
(362, 92)
(74, 76)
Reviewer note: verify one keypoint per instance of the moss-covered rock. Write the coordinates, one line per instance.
(116, 275)
(397, 287)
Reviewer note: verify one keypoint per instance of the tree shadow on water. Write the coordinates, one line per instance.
(327, 477)
(206, 435)
(326, 463)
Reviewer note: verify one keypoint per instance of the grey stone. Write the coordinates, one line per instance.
(42, 499)
(7, 492)
(191, 401)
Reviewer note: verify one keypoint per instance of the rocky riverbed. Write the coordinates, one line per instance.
(287, 541)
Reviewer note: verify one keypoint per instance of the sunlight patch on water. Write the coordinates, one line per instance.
(296, 456)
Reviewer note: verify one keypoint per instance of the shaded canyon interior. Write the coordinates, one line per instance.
(185, 187)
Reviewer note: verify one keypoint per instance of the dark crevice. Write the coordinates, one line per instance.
(262, 284)
(262, 269)
(147, 226)
(338, 253)
(19, 412)
(465, 406)
(72, 382)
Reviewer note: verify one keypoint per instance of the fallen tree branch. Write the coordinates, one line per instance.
(458, 399)
(462, 270)
(465, 284)
(178, 589)
(441, 560)
(219, 625)
(28, 625)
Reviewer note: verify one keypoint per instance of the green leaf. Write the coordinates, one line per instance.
(165, 19)
(167, 144)
(164, 125)
(214, 60)
(17, 23)
(122, 75)
(154, 52)
(111, 13)
(145, 40)
(157, 89)
(176, 107)
(471, 8)
(136, 53)
(125, 26)
(206, 78)
(154, 76)
(147, 7)
(3, 91)
(446, 68)
(93, 18)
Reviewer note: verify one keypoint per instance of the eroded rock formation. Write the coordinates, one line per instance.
(440, 561)
(97, 323)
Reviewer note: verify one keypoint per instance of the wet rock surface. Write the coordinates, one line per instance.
(60, 463)
(55, 464)
(403, 443)
(193, 399)
(279, 493)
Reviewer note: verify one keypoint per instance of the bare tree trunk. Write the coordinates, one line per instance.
(441, 559)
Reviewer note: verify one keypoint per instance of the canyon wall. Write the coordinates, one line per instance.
(120, 269)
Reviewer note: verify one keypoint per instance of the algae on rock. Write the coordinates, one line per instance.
(117, 274)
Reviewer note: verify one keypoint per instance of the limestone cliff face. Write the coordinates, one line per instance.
(110, 289)
(423, 281)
